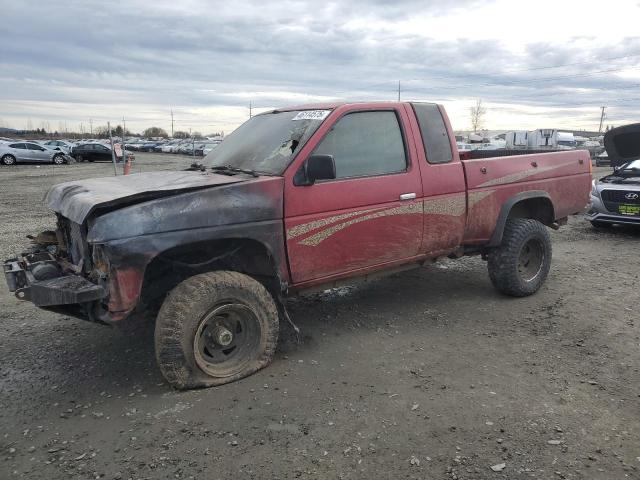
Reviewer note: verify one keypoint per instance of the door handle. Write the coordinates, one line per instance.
(407, 196)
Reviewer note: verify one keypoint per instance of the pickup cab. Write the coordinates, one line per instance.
(295, 199)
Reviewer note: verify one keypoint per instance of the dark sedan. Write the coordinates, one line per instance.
(92, 152)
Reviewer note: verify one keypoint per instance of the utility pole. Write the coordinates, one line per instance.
(91, 126)
(250, 109)
(172, 123)
(602, 117)
(398, 90)
(113, 150)
(124, 150)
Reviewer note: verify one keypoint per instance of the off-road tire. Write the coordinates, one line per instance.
(504, 261)
(188, 306)
(8, 160)
(58, 159)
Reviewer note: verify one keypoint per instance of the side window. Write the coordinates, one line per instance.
(437, 147)
(18, 145)
(365, 144)
(33, 146)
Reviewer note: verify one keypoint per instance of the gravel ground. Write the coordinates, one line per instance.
(424, 374)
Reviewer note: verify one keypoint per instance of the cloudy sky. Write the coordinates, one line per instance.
(542, 63)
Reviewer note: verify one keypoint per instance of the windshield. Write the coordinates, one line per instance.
(267, 142)
(634, 165)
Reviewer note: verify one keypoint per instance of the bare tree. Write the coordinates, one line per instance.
(477, 115)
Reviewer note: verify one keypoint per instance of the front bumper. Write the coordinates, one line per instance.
(39, 278)
(597, 212)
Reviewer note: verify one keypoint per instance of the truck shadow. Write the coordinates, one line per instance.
(106, 360)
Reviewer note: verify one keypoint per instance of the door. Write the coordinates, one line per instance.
(102, 153)
(443, 183)
(20, 151)
(38, 153)
(371, 214)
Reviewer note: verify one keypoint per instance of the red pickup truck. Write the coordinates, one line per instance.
(296, 198)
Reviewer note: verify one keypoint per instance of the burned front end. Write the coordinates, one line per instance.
(60, 272)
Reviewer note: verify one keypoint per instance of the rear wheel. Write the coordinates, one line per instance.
(8, 160)
(520, 265)
(215, 328)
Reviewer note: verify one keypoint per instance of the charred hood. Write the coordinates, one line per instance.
(78, 199)
(623, 144)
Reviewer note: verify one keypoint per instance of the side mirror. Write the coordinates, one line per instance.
(319, 167)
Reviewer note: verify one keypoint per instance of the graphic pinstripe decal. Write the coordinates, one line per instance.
(514, 177)
(322, 235)
(303, 228)
(452, 205)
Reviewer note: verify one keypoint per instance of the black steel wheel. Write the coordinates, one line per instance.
(520, 265)
(531, 260)
(225, 339)
(215, 328)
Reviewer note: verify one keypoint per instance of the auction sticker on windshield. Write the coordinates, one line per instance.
(629, 209)
(312, 115)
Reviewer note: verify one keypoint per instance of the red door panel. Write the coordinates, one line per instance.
(444, 190)
(336, 227)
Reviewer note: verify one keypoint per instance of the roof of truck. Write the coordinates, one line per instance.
(332, 105)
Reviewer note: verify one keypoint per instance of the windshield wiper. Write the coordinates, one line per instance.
(229, 168)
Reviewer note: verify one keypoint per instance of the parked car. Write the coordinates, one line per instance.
(204, 148)
(158, 147)
(292, 200)
(615, 198)
(134, 145)
(92, 152)
(602, 160)
(59, 145)
(148, 146)
(30, 152)
(168, 147)
(208, 147)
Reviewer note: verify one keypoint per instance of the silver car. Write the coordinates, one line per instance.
(30, 152)
(616, 197)
(59, 145)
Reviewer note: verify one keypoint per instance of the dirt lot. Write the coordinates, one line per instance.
(428, 374)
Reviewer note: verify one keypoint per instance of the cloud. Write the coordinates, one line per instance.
(74, 60)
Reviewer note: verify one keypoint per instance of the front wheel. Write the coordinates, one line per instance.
(8, 160)
(215, 328)
(58, 159)
(520, 265)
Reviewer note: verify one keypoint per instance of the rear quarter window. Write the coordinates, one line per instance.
(435, 138)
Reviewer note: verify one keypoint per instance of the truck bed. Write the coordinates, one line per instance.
(562, 177)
